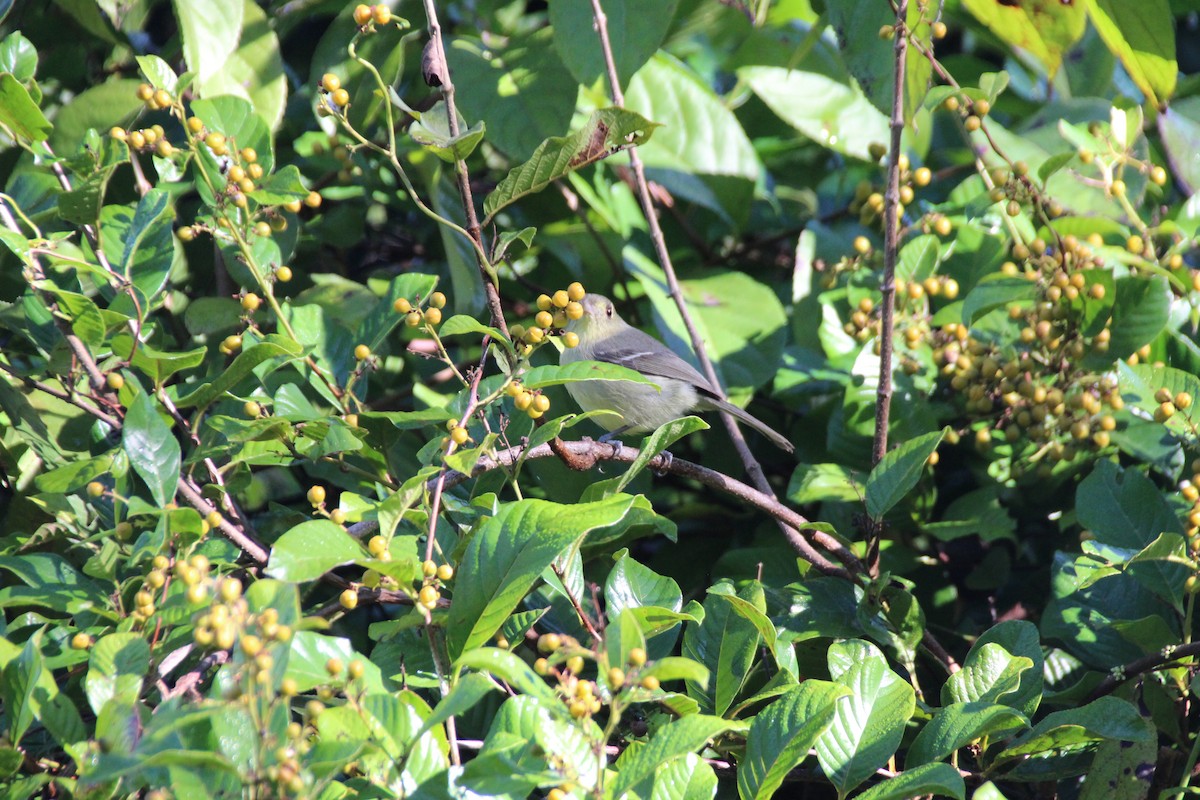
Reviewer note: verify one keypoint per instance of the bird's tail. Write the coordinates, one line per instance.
(766, 430)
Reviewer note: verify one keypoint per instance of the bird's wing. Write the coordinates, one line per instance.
(650, 357)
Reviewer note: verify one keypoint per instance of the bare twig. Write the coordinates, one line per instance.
(891, 230)
(753, 468)
(460, 169)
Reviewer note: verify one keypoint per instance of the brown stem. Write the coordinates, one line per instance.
(461, 174)
(753, 468)
(891, 229)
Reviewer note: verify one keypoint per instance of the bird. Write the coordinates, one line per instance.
(640, 408)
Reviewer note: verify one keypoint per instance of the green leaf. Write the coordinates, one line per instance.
(996, 292)
(468, 691)
(433, 131)
(726, 644)
(1045, 29)
(1109, 718)
(152, 448)
(210, 34)
(158, 365)
(255, 70)
(988, 668)
(830, 112)
(1118, 771)
(522, 92)
(461, 324)
(1140, 382)
(281, 187)
(960, 724)
(506, 556)
(868, 725)
(509, 668)
(665, 436)
(17, 54)
(1123, 508)
(575, 371)
(1141, 310)
(18, 112)
(1142, 35)
(929, 779)
(820, 483)
(273, 346)
(309, 550)
(1179, 126)
(606, 131)
(683, 736)
(117, 666)
(898, 472)
(704, 136)
(687, 778)
(141, 247)
(634, 36)
(782, 734)
(18, 687)
(631, 584)
(242, 125)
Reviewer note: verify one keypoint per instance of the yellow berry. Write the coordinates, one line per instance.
(541, 403)
(922, 176)
(445, 572)
(637, 656)
(1183, 401)
(145, 92)
(650, 682)
(252, 409)
(1118, 188)
(972, 123)
(982, 107)
(402, 306)
(313, 200)
(214, 519)
(348, 599)
(574, 310)
(1164, 412)
(523, 401)
(575, 291)
(459, 435)
(137, 140)
(283, 274)
(1158, 176)
(292, 206)
(362, 352)
(362, 14)
(570, 339)
(330, 82)
(862, 245)
(535, 335)
(561, 298)
(381, 14)
(428, 596)
(316, 495)
(215, 140)
(95, 488)
(437, 300)
(433, 316)
(81, 641)
(938, 30)
(337, 516)
(413, 319)
(544, 319)
(340, 98)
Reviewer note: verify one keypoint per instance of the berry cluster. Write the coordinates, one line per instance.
(414, 315)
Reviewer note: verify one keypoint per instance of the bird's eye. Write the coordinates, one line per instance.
(608, 310)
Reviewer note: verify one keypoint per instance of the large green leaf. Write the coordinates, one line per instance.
(116, 669)
(1109, 718)
(1142, 35)
(1123, 508)
(506, 556)
(781, 735)
(1045, 29)
(18, 113)
(634, 32)
(140, 246)
(937, 780)
(210, 34)
(959, 724)
(683, 736)
(867, 726)
(1140, 312)
(898, 472)
(152, 448)
(309, 550)
(254, 70)
(605, 132)
(274, 347)
(1141, 382)
(700, 135)
(522, 92)
(830, 112)
(725, 643)
(987, 670)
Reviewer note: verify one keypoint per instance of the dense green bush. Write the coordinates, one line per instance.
(296, 503)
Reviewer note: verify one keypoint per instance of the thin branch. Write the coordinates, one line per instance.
(799, 530)
(753, 468)
(891, 230)
(460, 169)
